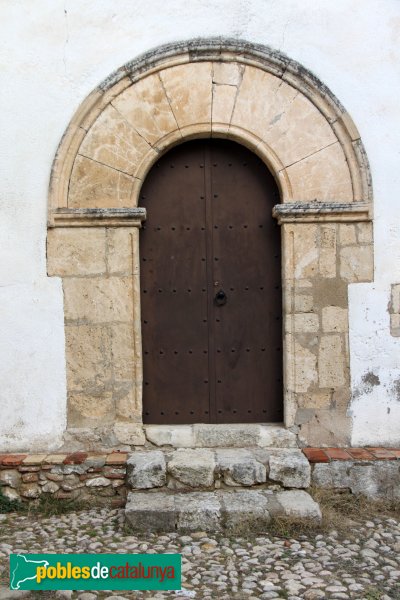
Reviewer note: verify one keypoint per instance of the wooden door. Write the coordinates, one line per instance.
(211, 288)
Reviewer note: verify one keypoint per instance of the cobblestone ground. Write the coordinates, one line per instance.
(363, 564)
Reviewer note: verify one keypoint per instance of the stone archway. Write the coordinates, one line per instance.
(209, 88)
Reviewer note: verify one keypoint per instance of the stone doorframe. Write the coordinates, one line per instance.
(274, 106)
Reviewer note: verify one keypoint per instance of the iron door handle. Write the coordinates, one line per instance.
(220, 298)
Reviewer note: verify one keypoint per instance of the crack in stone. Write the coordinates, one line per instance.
(308, 156)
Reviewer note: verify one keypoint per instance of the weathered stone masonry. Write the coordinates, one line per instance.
(268, 103)
(105, 478)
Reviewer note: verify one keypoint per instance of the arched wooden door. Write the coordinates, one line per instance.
(211, 288)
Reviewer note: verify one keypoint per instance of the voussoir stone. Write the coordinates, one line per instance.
(239, 467)
(146, 470)
(291, 468)
(193, 467)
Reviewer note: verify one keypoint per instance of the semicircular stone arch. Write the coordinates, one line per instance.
(275, 107)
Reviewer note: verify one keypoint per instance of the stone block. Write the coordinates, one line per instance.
(29, 477)
(395, 298)
(257, 116)
(30, 490)
(395, 325)
(188, 89)
(377, 481)
(296, 504)
(198, 511)
(98, 482)
(332, 474)
(146, 470)
(223, 102)
(347, 234)
(86, 410)
(276, 436)
(374, 480)
(94, 185)
(305, 367)
(98, 300)
(116, 463)
(122, 351)
(335, 319)
(327, 253)
(151, 512)
(290, 468)
(10, 477)
(194, 468)
(55, 459)
(306, 251)
(239, 467)
(298, 131)
(327, 428)
(76, 251)
(315, 399)
(331, 361)
(323, 176)
(50, 487)
(34, 459)
(88, 350)
(113, 141)
(10, 493)
(223, 436)
(303, 303)
(96, 461)
(120, 244)
(145, 106)
(229, 73)
(365, 233)
(129, 433)
(127, 405)
(306, 323)
(178, 436)
(244, 511)
(356, 263)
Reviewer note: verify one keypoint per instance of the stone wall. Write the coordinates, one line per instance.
(106, 478)
(75, 477)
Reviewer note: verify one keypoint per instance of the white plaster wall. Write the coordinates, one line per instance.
(54, 52)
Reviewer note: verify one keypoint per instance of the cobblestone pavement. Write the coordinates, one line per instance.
(365, 564)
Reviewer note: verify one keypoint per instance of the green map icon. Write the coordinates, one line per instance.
(24, 570)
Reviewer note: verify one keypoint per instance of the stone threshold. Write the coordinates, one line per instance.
(221, 435)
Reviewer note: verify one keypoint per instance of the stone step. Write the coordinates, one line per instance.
(214, 468)
(238, 511)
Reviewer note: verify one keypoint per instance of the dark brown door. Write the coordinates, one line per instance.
(211, 288)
